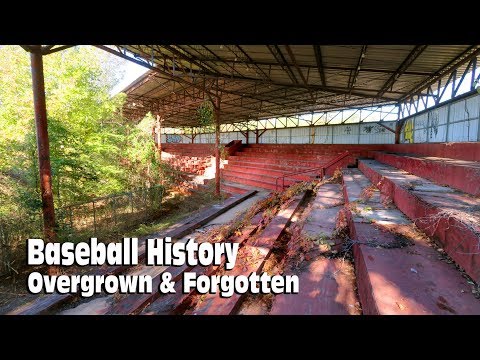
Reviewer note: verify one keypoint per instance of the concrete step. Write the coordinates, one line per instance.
(451, 217)
(327, 285)
(459, 174)
(398, 271)
(276, 167)
(293, 152)
(280, 164)
(332, 149)
(254, 183)
(258, 249)
(232, 189)
(257, 177)
(326, 288)
(469, 151)
(279, 161)
(269, 172)
(286, 156)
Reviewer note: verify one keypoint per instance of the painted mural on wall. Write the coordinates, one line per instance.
(408, 132)
(173, 138)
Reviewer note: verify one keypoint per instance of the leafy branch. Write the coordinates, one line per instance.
(205, 113)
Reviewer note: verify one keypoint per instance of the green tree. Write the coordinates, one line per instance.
(87, 133)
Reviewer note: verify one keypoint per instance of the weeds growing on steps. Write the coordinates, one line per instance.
(431, 223)
(301, 245)
(268, 207)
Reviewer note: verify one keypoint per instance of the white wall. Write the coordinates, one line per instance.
(366, 133)
(456, 121)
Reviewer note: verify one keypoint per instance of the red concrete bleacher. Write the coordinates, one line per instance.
(398, 277)
(469, 151)
(259, 165)
(189, 158)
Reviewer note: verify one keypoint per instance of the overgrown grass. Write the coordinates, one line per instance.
(177, 206)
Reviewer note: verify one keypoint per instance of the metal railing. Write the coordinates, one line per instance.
(322, 169)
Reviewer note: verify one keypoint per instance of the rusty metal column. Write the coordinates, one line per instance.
(41, 126)
(159, 136)
(217, 147)
(398, 130)
(398, 126)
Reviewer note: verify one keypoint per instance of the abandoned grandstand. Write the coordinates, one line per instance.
(356, 168)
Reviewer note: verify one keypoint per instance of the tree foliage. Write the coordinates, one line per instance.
(94, 150)
(205, 114)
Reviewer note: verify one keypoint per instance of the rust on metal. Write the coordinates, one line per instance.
(159, 135)
(217, 147)
(43, 146)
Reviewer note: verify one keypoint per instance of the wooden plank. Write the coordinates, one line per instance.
(257, 252)
(48, 302)
(169, 303)
(134, 302)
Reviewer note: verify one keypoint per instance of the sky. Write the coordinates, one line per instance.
(132, 72)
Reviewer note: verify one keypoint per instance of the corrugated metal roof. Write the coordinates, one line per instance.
(264, 81)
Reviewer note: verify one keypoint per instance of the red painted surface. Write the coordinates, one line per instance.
(272, 160)
(233, 189)
(412, 281)
(326, 285)
(402, 281)
(259, 250)
(364, 286)
(233, 146)
(340, 165)
(265, 181)
(469, 151)
(268, 171)
(276, 160)
(190, 164)
(460, 241)
(280, 167)
(459, 174)
(202, 149)
(326, 288)
(315, 148)
(254, 183)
